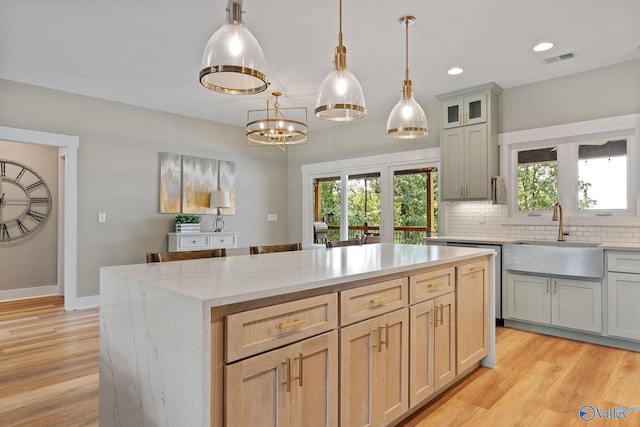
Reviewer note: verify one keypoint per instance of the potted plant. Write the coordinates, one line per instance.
(187, 223)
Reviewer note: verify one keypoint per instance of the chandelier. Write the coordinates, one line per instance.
(276, 126)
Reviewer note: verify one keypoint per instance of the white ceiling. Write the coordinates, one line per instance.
(148, 52)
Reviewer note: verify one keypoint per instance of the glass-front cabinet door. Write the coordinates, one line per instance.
(465, 111)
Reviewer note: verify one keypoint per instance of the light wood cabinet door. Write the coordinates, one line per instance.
(374, 370)
(444, 333)
(472, 305)
(315, 389)
(422, 352)
(257, 391)
(291, 386)
(393, 372)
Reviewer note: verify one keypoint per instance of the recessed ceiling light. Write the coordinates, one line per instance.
(541, 47)
(455, 71)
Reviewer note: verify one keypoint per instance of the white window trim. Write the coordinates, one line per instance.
(627, 126)
(385, 164)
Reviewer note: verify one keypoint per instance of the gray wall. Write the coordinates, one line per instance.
(31, 262)
(118, 173)
(605, 92)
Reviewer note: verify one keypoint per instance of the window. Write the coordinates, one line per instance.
(415, 205)
(537, 179)
(584, 166)
(602, 175)
(363, 204)
(327, 204)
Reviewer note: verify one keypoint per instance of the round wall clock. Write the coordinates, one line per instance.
(25, 201)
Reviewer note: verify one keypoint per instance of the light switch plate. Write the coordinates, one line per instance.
(102, 217)
(272, 217)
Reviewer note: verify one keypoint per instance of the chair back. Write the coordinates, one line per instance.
(184, 255)
(372, 239)
(254, 250)
(339, 243)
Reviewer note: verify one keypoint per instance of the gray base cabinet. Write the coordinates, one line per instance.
(575, 304)
(623, 281)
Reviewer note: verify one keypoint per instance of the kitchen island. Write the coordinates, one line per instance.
(174, 336)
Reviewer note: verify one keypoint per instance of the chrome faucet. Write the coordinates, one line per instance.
(557, 216)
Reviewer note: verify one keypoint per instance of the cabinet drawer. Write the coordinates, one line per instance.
(432, 284)
(624, 262)
(262, 329)
(368, 301)
(223, 241)
(192, 241)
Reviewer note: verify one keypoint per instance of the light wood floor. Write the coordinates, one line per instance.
(49, 376)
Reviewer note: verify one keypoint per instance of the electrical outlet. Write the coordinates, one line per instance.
(272, 217)
(102, 217)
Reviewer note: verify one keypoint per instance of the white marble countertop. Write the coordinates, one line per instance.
(222, 281)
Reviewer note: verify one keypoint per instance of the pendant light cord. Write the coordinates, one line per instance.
(340, 33)
(406, 51)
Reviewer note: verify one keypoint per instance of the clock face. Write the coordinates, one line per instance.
(25, 201)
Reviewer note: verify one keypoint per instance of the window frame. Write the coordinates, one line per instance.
(567, 138)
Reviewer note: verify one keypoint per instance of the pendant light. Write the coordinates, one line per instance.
(340, 96)
(232, 61)
(277, 126)
(407, 119)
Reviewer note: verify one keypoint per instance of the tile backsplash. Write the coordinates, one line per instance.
(482, 219)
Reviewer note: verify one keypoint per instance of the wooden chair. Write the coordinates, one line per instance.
(371, 239)
(339, 243)
(254, 250)
(184, 255)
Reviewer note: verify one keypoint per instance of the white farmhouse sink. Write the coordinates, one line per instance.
(555, 258)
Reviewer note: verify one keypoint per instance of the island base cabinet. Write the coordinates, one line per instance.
(291, 386)
(432, 353)
(374, 370)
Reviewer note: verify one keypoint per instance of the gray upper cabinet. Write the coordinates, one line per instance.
(469, 142)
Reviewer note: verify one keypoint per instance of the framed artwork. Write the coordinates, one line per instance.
(186, 183)
(170, 182)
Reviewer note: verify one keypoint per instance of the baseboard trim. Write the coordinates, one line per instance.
(26, 293)
(91, 301)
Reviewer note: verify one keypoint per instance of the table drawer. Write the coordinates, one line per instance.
(372, 300)
(263, 329)
(223, 241)
(192, 241)
(425, 286)
(624, 262)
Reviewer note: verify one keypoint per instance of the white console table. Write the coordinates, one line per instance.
(179, 242)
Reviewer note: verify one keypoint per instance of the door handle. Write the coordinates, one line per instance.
(300, 360)
(287, 372)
